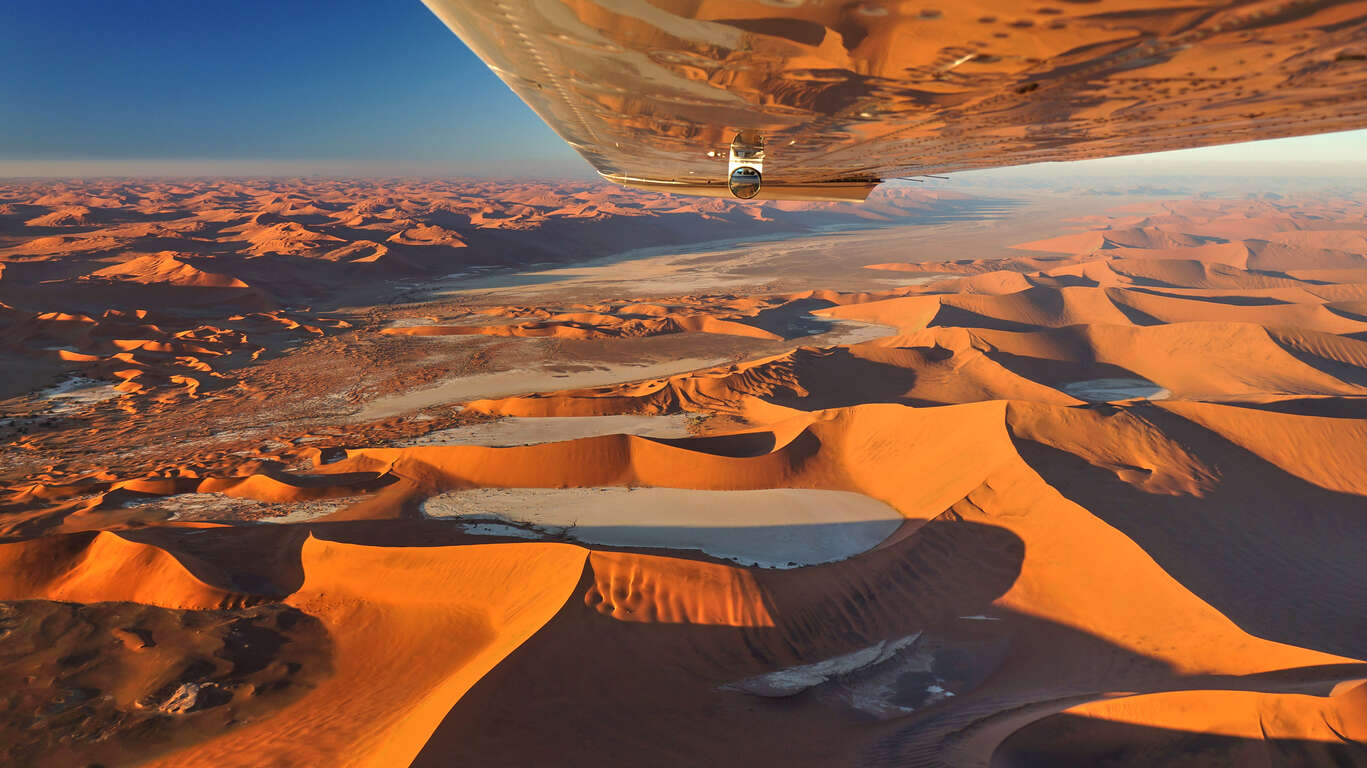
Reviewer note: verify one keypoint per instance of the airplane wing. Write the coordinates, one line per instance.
(828, 97)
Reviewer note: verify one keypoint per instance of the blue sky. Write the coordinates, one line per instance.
(97, 87)
(373, 85)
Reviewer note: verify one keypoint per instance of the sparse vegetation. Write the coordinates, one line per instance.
(698, 423)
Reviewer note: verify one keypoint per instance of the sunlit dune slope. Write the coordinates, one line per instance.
(380, 608)
(1197, 728)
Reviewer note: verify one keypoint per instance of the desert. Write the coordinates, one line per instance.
(438, 472)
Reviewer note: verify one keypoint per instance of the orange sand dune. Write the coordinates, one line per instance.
(1129, 602)
(998, 282)
(1323, 451)
(1189, 273)
(166, 268)
(628, 460)
(176, 247)
(1119, 483)
(383, 609)
(1110, 239)
(1154, 306)
(96, 567)
(1233, 254)
(1223, 727)
(1097, 339)
(1232, 360)
(379, 607)
(1033, 307)
(933, 371)
(769, 318)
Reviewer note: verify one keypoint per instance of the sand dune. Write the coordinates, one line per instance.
(166, 268)
(1235, 727)
(383, 607)
(1096, 503)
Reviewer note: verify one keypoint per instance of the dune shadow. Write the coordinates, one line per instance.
(1231, 300)
(1345, 313)
(1136, 316)
(739, 446)
(1076, 741)
(1279, 556)
(1062, 281)
(1056, 373)
(955, 317)
(562, 694)
(837, 377)
(571, 682)
(1328, 407)
(1344, 372)
(261, 561)
(1052, 667)
(793, 319)
(567, 691)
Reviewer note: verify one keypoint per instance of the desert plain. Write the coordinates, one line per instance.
(332, 472)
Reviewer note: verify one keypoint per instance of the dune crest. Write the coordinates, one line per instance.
(166, 268)
(384, 607)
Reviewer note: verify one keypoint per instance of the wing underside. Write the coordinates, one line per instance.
(848, 93)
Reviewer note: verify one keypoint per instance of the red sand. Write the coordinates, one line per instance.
(1172, 577)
